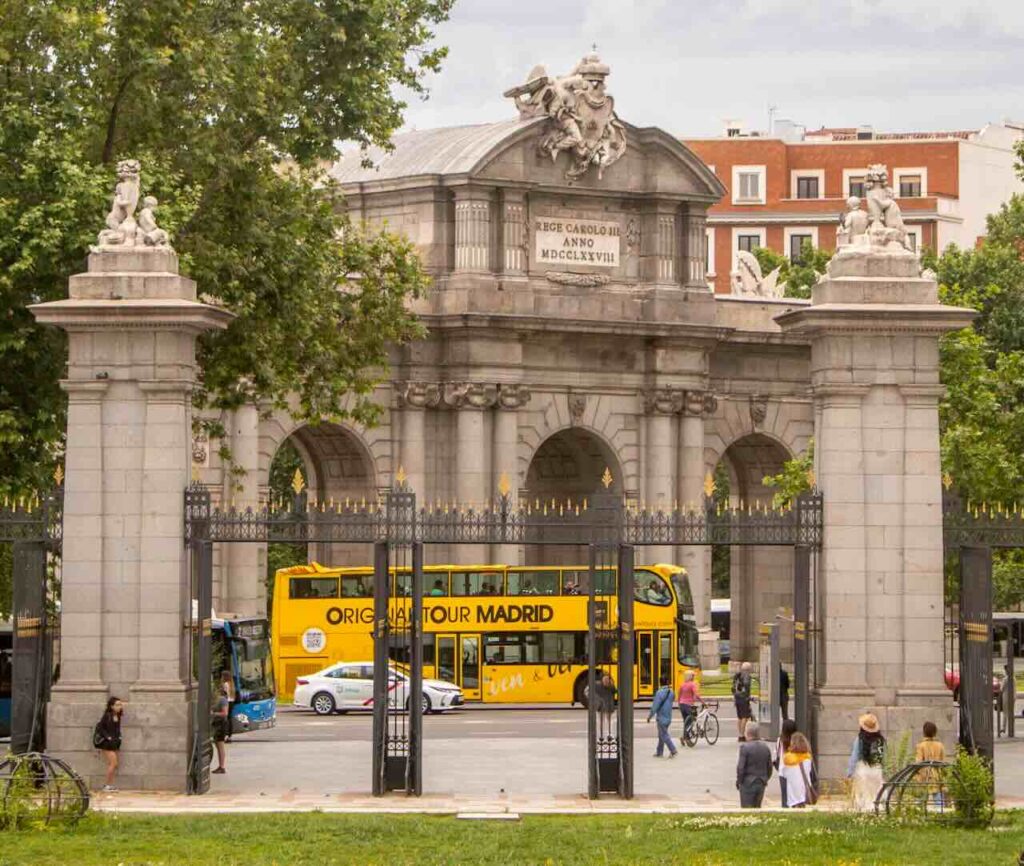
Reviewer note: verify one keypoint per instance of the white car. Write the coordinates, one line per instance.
(346, 686)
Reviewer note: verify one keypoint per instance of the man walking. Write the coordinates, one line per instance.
(661, 708)
(741, 698)
(753, 769)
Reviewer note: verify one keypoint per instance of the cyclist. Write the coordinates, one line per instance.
(688, 697)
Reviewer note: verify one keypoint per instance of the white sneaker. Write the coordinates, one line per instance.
(107, 789)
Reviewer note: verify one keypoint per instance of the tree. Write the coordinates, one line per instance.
(800, 275)
(795, 478)
(234, 109)
(281, 554)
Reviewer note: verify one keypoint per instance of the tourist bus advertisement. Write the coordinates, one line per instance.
(241, 646)
(502, 634)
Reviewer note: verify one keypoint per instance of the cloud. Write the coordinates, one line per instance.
(685, 65)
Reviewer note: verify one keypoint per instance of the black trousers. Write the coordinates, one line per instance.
(752, 793)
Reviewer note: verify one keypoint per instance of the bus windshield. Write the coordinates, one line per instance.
(253, 660)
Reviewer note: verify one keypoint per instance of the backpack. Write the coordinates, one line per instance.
(739, 688)
(873, 751)
(99, 740)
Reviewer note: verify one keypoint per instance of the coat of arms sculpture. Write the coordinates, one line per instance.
(582, 115)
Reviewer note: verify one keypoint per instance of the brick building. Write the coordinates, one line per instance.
(790, 189)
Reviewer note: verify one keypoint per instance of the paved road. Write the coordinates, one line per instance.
(556, 722)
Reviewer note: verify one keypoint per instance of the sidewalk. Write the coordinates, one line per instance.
(524, 776)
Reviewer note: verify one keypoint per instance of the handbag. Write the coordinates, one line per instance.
(812, 795)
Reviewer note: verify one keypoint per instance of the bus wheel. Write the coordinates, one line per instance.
(580, 693)
(322, 703)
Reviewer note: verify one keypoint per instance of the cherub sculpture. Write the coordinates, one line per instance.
(121, 226)
(853, 225)
(886, 221)
(152, 235)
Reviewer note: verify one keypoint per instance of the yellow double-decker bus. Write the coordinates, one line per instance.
(503, 634)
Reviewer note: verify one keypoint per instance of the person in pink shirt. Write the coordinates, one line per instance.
(688, 697)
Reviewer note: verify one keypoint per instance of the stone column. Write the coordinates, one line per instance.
(504, 458)
(660, 407)
(472, 481)
(415, 398)
(245, 590)
(874, 326)
(696, 560)
(472, 230)
(513, 234)
(132, 323)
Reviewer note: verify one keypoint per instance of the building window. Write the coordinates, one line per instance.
(856, 186)
(748, 184)
(910, 186)
(796, 246)
(807, 187)
(748, 243)
(912, 239)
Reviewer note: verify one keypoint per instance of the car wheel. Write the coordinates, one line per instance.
(322, 704)
(425, 707)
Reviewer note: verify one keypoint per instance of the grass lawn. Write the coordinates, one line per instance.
(316, 838)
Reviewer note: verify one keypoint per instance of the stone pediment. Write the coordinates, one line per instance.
(507, 153)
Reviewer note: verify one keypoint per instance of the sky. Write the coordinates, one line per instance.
(689, 65)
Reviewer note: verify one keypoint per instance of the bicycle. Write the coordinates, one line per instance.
(705, 725)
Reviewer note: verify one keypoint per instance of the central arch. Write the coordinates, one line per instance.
(760, 578)
(569, 467)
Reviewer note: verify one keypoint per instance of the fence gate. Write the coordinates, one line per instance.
(32, 525)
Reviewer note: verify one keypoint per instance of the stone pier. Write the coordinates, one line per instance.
(874, 326)
(132, 323)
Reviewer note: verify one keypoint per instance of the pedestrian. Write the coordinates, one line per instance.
(688, 697)
(661, 708)
(227, 683)
(931, 749)
(741, 683)
(106, 737)
(221, 721)
(784, 692)
(798, 770)
(781, 747)
(865, 765)
(753, 768)
(1008, 696)
(607, 696)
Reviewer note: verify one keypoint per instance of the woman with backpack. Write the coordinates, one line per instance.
(865, 766)
(106, 737)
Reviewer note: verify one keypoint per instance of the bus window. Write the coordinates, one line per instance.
(651, 588)
(687, 644)
(563, 647)
(403, 585)
(665, 656)
(503, 649)
(477, 583)
(356, 586)
(435, 585)
(314, 587)
(577, 582)
(533, 582)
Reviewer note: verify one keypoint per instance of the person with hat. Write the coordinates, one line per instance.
(865, 766)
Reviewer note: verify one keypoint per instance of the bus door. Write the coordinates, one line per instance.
(646, 667)
(458, 661)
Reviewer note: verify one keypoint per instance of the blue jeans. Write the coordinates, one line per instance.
(664, 739)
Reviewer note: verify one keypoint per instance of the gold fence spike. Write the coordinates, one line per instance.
(400, 475)
(503, 484)
(58, 475)
(709, 485)
(298, 483)
(584, 503)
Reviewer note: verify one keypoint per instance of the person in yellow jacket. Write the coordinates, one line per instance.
(797, 768)
(931, 749)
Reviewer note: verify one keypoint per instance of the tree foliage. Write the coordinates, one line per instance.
(279, 554)
(800, 275)
(794, 479)
(235, 109)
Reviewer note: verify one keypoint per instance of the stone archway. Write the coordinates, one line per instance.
(760, 578)
(569, 465)
(337, 466)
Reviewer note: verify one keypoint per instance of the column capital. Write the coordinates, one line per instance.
(663, 401)
(700, 403)
(418, 395)
(513, 396)
(470, 395)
